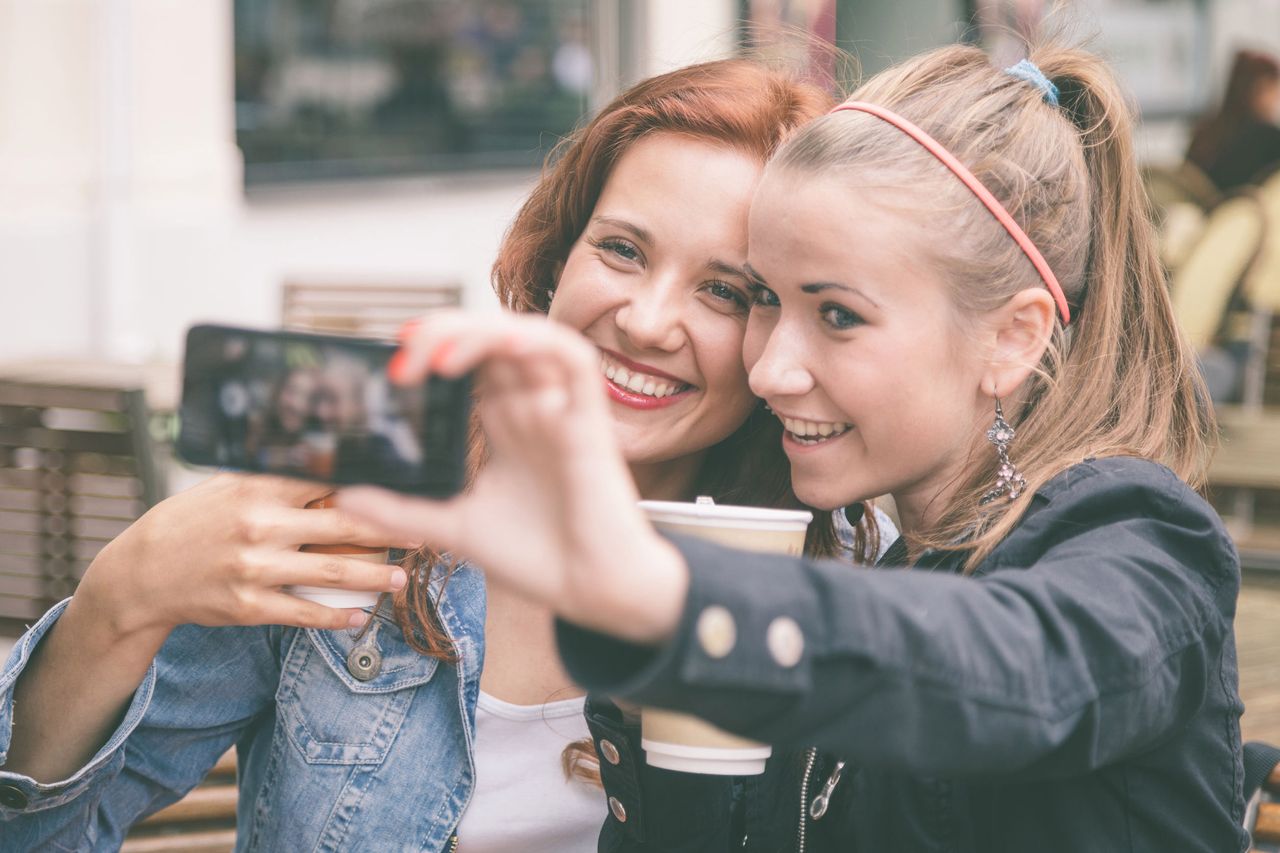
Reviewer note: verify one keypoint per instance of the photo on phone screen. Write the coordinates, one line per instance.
(318, 407)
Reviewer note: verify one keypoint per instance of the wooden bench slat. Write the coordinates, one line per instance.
(202, 803)
(210, 841)
(1267, 826)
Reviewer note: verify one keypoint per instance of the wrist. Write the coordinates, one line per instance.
(645, 604)
(108, 601)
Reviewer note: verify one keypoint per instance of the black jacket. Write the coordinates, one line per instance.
(1076, 693)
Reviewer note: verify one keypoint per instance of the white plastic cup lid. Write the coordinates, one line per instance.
(713, 761)
(330, 597)
(726, 515)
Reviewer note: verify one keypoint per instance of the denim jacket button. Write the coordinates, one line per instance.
(618, 811)
(364, 662)
(11, 796)
(609, 751)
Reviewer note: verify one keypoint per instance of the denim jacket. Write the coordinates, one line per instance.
(318, 770)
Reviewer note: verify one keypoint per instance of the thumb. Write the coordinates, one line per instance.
(434, 523)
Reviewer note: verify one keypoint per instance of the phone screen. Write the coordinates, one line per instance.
(318, 407)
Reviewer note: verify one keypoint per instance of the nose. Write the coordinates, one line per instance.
(780, 370)
(651, 317)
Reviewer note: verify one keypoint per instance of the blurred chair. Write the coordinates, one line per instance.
(1248, 461)
(363, 310)
(1262, 293)
(77, 466)
(1202, 287)
(1185, 182)
(1181, 198)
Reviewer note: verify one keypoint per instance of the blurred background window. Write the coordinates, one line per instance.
(353, 88)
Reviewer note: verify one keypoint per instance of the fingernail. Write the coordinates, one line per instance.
(398, 579)
(396, 366)
(441, 355)
(357, 619)
(408, 329)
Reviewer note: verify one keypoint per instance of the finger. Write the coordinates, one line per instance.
(335, 526)
(557, 356)
(281, 608)
(334, 571)
(432, 522)
(443, 334)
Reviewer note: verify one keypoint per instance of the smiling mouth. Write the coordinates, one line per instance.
(636, 382)
(812, 433)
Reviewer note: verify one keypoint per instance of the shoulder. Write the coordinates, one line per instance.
(1124, 504)
(1121, 476)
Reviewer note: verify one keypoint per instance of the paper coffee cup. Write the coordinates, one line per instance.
(332, 596)
(675, 741)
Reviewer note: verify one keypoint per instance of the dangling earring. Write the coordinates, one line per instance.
(1008, 479)
(551, 294)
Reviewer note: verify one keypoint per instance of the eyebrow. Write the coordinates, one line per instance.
(813, 287)
(636, 231)
(725, 268)
(819, 286)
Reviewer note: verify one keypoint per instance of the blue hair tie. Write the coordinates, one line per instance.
(1027, 70)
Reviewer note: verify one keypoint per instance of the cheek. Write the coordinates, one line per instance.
(582, 292)
(720, 360)
(754, 341)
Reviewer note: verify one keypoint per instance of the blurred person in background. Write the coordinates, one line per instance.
(1240, 143)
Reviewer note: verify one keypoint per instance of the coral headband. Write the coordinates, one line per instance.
(976, 187)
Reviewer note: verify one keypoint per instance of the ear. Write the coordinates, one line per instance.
(1021, 328)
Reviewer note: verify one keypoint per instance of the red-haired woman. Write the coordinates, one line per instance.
(180, 642)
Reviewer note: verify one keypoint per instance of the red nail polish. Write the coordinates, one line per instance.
(408, 329)
(441, 355)
(396, 366)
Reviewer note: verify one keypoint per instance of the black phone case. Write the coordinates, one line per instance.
(443, 437)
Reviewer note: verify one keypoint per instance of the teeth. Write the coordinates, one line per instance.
(814, 430)
(639, 383)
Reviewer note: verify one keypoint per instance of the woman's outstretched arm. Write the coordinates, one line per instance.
(217, 554)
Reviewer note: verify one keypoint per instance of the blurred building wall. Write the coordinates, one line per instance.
(123, 216)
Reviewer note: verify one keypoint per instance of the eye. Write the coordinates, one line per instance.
(624, 249)
(726, 292)
(763, 297)
(839, 317)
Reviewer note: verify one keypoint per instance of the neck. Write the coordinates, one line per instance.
(672, 480)
(521, 664)
(921, 505)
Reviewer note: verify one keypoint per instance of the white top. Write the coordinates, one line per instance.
(522, 803)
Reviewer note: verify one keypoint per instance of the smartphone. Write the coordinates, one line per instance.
(319, 407)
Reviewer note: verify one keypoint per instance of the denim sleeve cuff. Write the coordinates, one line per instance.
(21, 794)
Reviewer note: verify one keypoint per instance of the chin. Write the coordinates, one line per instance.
(824, 496)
